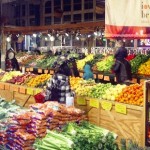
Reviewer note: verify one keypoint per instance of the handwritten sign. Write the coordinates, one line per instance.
(94, 103)
(106, 105)
(30, 91)
(31, 69)
(100, 76)
(120, 108)
(106, 78)
(46, 71)
(38, 91)
(22, 90)
(81, 101)
(39, 70)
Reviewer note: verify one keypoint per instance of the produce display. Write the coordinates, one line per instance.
(105, 64)
(132, 94)
(144, 68)
(38, 81)
(82, 136)
(137, 61)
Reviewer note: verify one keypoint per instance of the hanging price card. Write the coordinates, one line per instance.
(100, 76)
(22, 90)
(94, 76)
(30, 91)
(2, 86)
(106, 78)
(51, 71)
(81, 101)
(38, 91)
(121, 108)
(106, 105)
(94, 103)
(31, 69)
(15, 88)
(81, 74)
(39, 70)
(46, 71)
(27, 69)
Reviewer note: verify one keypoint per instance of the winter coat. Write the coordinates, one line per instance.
(87, 72)
(122, 70)
(121, 53)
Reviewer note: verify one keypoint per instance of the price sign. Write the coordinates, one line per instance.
(94, 76)
(38, 91)
(81, 101)
(106, 78)
(121, 108)
(31, 69)
(51, 71)
(100, 76)
(30, 91)
(81, 74)
(15, 88)
(27, 69)
(39, 70)
(7, 86)
(94, 103)
(106, 105)
(22, 90)
(46, 71)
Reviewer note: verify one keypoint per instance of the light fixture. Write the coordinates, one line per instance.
(66, 34)
(46, 38)
(49, 34)
(34, 35)
(52, 38)
(95, 33)
(8, 39)
(89, 36)
(77, 38)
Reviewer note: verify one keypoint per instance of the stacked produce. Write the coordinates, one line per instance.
(132, 94)
(106, 64)
(81, 63)
(9, 75)
(99, 90)
(137, 61)
(34, 63)
(22, 79)
(75, 82)
(113, 92)
(39, 80)
(83, 136)
(144, 68)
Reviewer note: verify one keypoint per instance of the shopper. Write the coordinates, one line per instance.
(11, 61)
(73, 67)
(88, 74)
(121, 51)
(122, 70)
(58, 87)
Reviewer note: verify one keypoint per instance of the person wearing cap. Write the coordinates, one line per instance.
(11, 61)
(58, 87)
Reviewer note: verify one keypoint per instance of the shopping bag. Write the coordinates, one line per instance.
(39, 98)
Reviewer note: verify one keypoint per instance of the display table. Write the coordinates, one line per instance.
(127, 121)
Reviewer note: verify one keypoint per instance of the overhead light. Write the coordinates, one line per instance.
(77, 38)
(49, 34)
(95, 33)
(66, 34)
(89, 35)
(52, 38)
(8, 39)
(46, 38)
(34, 35)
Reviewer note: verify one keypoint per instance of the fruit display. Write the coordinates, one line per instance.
(39, 81)
(144, 68)
(10, 75)
(132, 94)
(105, 64)
(81, 63)
(75, 82)
(137, 61)
(99, 90)
(113, 92)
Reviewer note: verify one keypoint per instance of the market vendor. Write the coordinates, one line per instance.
(11, 61)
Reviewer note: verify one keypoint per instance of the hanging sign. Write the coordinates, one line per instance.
(94, 103)
(27, 69)
(120, 108)
(106, 78)
(106, 105)
(39, 70)
(46, 71)
(31, 69)
(100, 76)
(81, 101)
(22, 90)
(30, 91)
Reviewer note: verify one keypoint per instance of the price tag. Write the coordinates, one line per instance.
(100, 76)
(30, 91)
(121, 108)
(106, 105)
(27, 69)
(7, 86)
(39, 70)
(52, 72)
(38, 91)
(22, 90)
(46, 71)
(94, 76)
(31, 69)
(81, 74)
(94, 103)
(15, 88)
(2, 86)
(81, 101)
(106, 78)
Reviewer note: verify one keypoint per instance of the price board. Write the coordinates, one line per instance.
(38, 91)
(30, 91)
(81, 101)
(46, 71)
(94, 103)
(22, 90)
(106, 105)
(120, 108)
(31, 69)
(39, 70)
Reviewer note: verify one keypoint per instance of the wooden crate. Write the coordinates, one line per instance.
(8, 95)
